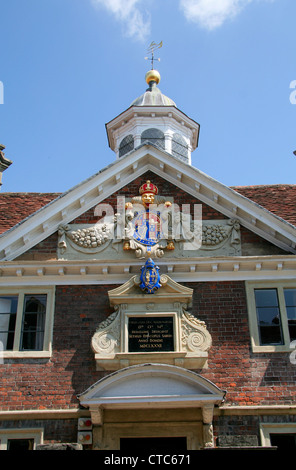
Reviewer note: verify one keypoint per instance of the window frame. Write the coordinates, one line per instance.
(17, 433)
(252, 312)
(266, 429)
(21, 292)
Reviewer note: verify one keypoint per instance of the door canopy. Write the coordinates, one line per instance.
(152, 386)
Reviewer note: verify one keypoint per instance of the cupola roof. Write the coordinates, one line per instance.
(153, 118)
(153, 96)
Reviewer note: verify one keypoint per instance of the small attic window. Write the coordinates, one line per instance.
(155, 136)
(180, 147)
(126, 145)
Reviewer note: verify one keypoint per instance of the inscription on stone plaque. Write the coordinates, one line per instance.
(150, 334)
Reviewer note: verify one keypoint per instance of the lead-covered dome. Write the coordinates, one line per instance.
(153, 95)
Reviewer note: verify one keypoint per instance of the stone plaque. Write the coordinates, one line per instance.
(150, 334)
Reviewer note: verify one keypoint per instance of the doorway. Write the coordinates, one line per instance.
(153, 444)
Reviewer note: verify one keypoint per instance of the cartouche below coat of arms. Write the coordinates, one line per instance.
(150, 277)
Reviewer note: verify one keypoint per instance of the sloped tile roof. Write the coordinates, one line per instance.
(15, 207)
(279, 199)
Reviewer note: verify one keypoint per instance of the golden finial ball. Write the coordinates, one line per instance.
(152, 76)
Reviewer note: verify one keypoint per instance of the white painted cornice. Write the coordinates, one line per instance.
(76, 413)
(96, 189)
(117, 272)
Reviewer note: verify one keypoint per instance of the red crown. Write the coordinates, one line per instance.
(148, 187)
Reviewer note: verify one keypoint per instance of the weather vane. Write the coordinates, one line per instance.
(153, 47)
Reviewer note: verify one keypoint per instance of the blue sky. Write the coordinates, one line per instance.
(70, 66)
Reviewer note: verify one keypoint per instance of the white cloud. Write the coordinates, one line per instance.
(211, 14)
(136, 23)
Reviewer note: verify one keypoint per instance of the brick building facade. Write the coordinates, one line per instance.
(69, 293)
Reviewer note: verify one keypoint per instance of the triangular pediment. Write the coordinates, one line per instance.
(97, 188)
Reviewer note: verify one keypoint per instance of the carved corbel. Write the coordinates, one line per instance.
(97, 415)
(207, 414)
(208, 433)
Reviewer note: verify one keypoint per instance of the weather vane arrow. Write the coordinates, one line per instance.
(153, 47)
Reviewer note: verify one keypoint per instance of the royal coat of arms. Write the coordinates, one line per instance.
(148, 223)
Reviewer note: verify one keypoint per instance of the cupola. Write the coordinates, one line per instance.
(155, 119)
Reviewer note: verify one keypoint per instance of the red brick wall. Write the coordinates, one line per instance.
(55, 430)
(55, 383)
(248, 378)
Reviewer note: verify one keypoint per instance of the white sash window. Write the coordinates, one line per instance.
(272, 315)
(26, 322)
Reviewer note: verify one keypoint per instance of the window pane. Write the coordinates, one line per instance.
(180, 147)
(155, 136)
(8, 309)
(283, 441)
(268, 314)
(33, 322)
(20, 444)
(266, 297)
(290, 298)
(126, 145)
